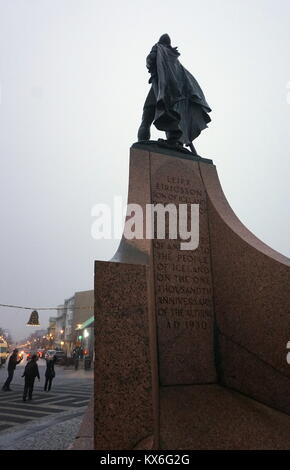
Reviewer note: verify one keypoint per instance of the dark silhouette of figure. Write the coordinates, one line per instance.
(29, 374)
(76, 356)
(12, 363)
(49, 374)
(175, 102)
(81, 353)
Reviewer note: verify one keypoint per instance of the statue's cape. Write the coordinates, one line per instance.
(180, 102)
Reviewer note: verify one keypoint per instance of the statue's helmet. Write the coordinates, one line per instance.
(165, 40)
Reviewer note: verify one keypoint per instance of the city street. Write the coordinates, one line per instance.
(51, 420)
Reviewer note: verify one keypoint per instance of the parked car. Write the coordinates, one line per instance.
(3, 352)
(29, 354)
(60, 356)
(41, 352)
(50, 353)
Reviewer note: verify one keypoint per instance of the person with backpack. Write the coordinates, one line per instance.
(30, 373)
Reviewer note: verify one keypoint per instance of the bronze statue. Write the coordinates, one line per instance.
(175, 102)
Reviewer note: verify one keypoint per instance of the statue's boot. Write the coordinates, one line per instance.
(192, 148)
(173, 137)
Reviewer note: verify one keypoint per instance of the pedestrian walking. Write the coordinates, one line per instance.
(30, 373)
(49, 374)
(12, 363)
(81, 353)
(76, 357)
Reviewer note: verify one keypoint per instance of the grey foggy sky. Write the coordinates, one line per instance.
(73, 81)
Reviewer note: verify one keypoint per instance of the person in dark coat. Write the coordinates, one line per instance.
(76, 357)
(12, 363)
(49, 374)
(81, 353)
(175, 103)
(29, 374)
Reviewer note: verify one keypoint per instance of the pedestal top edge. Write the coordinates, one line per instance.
(151, 148)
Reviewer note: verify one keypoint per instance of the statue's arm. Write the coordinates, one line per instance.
(151, 59)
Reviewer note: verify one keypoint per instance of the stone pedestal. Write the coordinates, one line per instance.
(171, 324)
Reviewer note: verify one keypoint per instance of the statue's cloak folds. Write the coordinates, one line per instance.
(180, 104)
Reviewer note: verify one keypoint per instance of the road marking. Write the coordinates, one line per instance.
(13, 411)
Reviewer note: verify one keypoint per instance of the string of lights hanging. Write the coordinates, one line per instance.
(34, 317)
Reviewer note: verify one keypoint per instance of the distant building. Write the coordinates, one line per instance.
(74, 312)
(84, 307)
(84, 320)
(60, 327)
(40, 333)
(51, 331)
(68, 326)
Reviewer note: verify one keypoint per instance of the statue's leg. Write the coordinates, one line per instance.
(147, 116)
(173, 136)
(147, 119)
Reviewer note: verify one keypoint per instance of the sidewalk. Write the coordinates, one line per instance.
(52, 433)
(55, 431)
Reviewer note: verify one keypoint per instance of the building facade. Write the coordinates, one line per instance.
(68, 325)
(60, 327)
(66, 330)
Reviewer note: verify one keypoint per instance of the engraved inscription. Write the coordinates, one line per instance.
(183, 285)
(182, 279)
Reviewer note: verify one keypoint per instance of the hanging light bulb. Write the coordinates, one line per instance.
(33, 320)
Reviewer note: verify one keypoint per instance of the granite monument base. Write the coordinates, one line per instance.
(185, 339)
